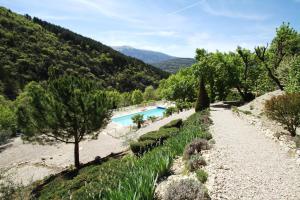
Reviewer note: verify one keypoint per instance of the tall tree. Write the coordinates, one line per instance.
(203, 100)
(286, 43)
(67, 110)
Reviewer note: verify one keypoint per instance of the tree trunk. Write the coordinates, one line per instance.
(76, 154)
(275, 79)
(139, 125)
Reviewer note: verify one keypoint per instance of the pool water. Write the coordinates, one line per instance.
(127, 121)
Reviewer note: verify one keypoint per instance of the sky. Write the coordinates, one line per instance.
(175, 27)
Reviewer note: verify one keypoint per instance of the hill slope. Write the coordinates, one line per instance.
(144, 55)
(30, 47)
(173, 65)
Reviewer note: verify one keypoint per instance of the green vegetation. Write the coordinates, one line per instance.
(152, 118)
(137, 97)
(67, 110)
(202, 102)
(152, 139)
(243, 72)
(175, 64)
(33, 50)
(8, 123)
(177, 123)
(127, 178)
(169, 111)
(286, 110)
(138, 120)
(201, 175)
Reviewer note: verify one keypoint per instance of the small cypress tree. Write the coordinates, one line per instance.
(202, 100)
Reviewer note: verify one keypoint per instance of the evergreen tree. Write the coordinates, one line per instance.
(66, 110)
(203, 100)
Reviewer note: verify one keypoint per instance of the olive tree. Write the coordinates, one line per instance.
(67, 109)
(285, 44)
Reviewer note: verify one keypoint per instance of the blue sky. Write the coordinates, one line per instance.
(176, 27)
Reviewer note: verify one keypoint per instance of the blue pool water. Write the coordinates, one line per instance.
(126, 119)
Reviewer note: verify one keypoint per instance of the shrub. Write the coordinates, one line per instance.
(195, 147)
(141, 147)
(169, 111)
(195, 162)
(174, 123)
(8, 122)
(159, 135)
(188, 189)
(201, 175)
(152, 118)
(286, 110)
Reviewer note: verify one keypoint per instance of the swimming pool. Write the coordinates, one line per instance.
(126, 119)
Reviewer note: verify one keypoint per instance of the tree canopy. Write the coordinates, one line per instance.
(67, 109)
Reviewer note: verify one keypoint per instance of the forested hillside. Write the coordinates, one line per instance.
(173, 65)
(32, 49)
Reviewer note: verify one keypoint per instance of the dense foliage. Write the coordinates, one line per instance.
(8, 123)
(244, 72)
(33, 50)
(286, 110)
(175, 64)
(128, 178)
(67, 110)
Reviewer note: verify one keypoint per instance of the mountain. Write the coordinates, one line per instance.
(144, 55)
(173, 65)
(160, 60)
(31, 49)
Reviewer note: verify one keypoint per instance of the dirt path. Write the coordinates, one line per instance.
(244, 164)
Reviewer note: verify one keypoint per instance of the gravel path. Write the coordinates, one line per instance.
(244, 164)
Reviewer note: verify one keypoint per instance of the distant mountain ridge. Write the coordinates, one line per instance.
(160, 60)
(147, 56)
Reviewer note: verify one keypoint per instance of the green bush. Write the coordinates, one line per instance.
(285, 109)
(141, 147)
(201, 175)
(8, 124)
(174, 123)
(159, 135)
(169, 111)
(128, 178)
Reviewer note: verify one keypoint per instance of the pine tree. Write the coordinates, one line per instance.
(203, 100)
(67, 110)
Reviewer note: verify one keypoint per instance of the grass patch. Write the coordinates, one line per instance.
(201, 175)
(128, 178)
